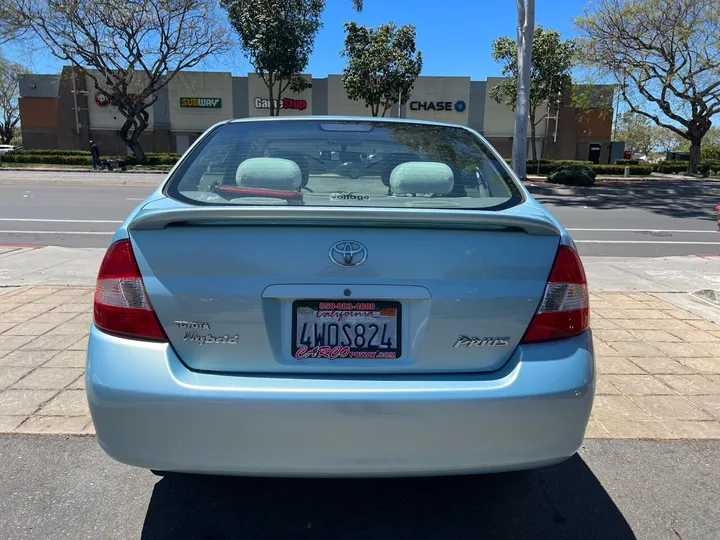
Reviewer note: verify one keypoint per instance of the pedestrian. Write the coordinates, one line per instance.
(95, 156)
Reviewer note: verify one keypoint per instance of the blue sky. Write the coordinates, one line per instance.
(455, 37)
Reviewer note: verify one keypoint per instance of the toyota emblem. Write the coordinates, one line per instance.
(348, 253)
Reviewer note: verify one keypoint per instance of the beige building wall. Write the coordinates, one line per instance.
(340, 104)
(294, 104)
(441, 92)
(500, 119)
(108, 116)
(204, 85)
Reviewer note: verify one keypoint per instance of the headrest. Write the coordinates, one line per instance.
(422, 177)
(269, 173)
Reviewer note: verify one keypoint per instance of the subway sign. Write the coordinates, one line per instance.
(200, 103)
(458, 106)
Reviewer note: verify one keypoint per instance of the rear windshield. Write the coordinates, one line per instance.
(348, 163)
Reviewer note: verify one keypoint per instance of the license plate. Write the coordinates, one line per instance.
(330, 329)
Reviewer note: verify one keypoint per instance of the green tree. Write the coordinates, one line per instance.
(664, 56)
(129, 49)
(711, 144)
(383, 64)
(551, 62)
(639, 133)
(669, 141)
(277, 37)
(17, 137)
(9, 109)
(11, 26)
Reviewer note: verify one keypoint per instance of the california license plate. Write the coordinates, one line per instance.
(330, 329)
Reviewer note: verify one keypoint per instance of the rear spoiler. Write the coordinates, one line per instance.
(307, 216)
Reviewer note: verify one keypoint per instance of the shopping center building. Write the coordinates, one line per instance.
(64, 111)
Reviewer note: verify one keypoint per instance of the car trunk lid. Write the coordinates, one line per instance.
(240, 289)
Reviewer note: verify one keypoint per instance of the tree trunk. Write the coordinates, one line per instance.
(279, 96)
(533, 145)
(137, 149)
(272, 99)
(694, 156)
(526, 25)
(6, 134)
(132, 140)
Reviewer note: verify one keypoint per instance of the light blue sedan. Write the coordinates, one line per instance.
(322, 296)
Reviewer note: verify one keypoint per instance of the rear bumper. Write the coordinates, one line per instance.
(150, 411)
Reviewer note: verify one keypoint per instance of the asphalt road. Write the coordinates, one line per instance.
(651, 219)
(66, 488)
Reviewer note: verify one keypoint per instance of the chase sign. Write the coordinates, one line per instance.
(458, 106)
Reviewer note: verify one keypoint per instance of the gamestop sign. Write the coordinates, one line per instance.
(284, 103)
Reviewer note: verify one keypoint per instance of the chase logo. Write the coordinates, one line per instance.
(449, 106)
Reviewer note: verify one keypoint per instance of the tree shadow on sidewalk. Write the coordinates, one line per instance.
(563, 501)
(681, 199)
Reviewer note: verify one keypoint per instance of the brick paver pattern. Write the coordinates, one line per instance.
(658, 366)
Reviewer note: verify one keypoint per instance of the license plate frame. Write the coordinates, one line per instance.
(331, 351)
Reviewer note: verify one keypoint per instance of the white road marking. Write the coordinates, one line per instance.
(55, 232)
(678, 231)
(41, 220)
(133, 199)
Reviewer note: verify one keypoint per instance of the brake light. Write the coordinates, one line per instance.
(565, 307)
(121, 305)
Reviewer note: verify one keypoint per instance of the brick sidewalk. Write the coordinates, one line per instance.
(658, 365)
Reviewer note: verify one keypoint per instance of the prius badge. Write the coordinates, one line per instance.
(348, 253)
(469, 342)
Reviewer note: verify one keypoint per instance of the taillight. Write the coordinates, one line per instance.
(122, 306)
(565, 307)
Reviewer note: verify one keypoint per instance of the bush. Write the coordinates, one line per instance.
(63, 157)
(50, 152)
(705, 167)
(162, 159)
(635, 170)
(14, 157)
(708, 166)
(548, 166)
(573, 175)
(551, 167)
(671, 167)
(153, 159)
(710, 152)
(559, 162)
(627, 162)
